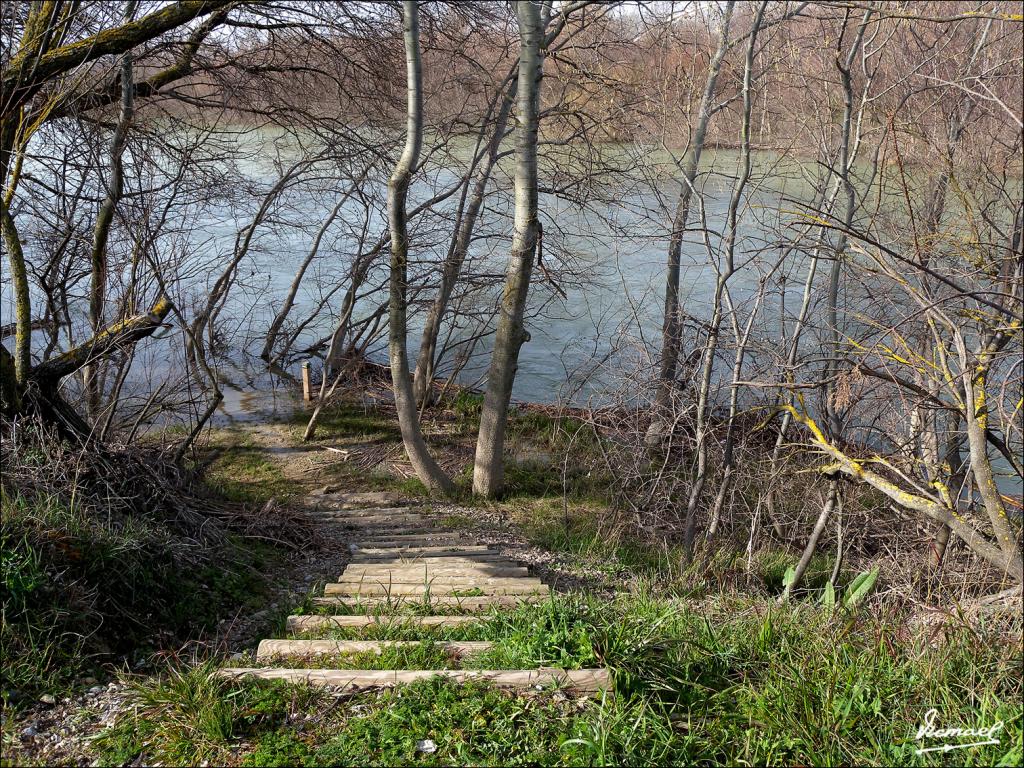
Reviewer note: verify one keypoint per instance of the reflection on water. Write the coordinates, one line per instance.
(252, 393)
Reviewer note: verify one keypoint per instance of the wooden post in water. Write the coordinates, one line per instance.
(306, 383)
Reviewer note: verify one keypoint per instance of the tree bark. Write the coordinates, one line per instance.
(30, 69)
(488, 468)
(105, 217)
(671, 327)
(427, 470)
(22, 299)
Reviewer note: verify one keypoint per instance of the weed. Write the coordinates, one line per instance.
(189, 716)
(278, 748)
(79, 589)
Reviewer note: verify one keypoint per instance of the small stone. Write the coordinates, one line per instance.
(88, 681)
(97, 689)
(47, 699)
(426, 746)
(29, 732)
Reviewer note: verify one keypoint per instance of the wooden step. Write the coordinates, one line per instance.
(370, 588)
(382, 533)
(419, 573)
(384, 539)
(369, 522)
(424, 539)
(366, 516)
(315, 623)
(444, 550)
(417, 579)
(481, 603)
(582, 680)
(488, 559)
(357, 512)
(269, 649)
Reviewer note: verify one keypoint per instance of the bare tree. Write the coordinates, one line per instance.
(428, 471)
(488, 468)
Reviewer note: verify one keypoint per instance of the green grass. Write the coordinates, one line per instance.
(424, 655)
(37, 656)
(346, 421)
(80, 589)
(736, 682)
(242, 471)
(188, 716)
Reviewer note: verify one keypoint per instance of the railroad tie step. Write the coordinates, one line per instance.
(389, 528)
(426, 550)
(474, 603)
(371, 540)
(488, 559)
(362, 519)
(369, 511)
(359, 535)
(581, 680)
(467, 580)
(316, 623)
(371, 588)
(273, 649)
(420, 574)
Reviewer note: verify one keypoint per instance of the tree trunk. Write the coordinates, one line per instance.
(101, 231)
(671, 327)
(832, 502)
(460, 247)
(22, 300)
(704, 395)
(427, 470)
(488, 468)
(289, 300)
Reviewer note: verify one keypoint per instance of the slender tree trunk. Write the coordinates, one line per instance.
(105, 217)
(488, 469)
(958, 482)
(22, 299)
(453, 264)
(729, 449)
(427, 470)
(289, 300)
(671, 327)
(976, 401)
(832, 419)
(727, 270)
(832, 501)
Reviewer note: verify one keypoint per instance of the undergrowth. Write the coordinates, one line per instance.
(107, 556)
(751, 683)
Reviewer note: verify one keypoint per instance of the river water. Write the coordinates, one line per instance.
(607, 258)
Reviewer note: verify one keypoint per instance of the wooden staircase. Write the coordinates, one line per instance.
(401, 561)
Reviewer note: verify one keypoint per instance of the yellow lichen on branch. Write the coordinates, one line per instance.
(941, 510)
(127, 331)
